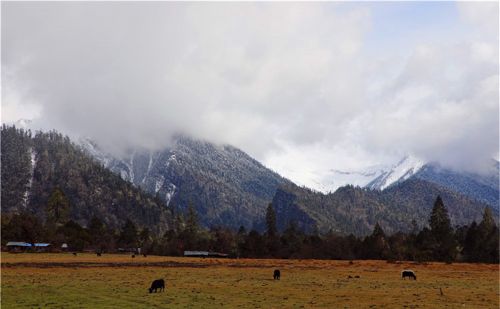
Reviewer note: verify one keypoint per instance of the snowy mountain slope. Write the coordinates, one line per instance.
(403, 170)
(377, 177)
(224, 184)
(484, 188)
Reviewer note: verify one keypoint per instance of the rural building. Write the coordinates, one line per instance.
(204, 254)
(129, 250)
(18, 246)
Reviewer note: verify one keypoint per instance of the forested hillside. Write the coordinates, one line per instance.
(357, 210)
(225, 185)
(47, 175)
(483, 188)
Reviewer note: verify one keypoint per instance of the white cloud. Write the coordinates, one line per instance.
(292, 84)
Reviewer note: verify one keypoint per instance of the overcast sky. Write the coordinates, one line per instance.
(301, 87)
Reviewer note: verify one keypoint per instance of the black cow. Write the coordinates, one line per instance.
(98, 253)
(157, 284)
(277, 274)
(408, 273)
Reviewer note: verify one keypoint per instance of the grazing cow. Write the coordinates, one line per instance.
(133, 255)
(98, 253)
(74, 253)
(157, 284)
(408, 273)
(277, 274)
(144, 254)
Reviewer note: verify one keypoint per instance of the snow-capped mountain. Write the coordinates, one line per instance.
(377, 177)
(404, 169)
(224, 184)
(333, 179)
(483, 188)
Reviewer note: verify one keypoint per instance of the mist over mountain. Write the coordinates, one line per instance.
(483, 187)
(228, 187)
(297, 86)
(224, 185)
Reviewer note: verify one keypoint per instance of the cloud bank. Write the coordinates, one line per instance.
(275, 79)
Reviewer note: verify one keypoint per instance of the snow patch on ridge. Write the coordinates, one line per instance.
(32, 174)
(399, 172)
(150, 163)
(170, 193)
(159, 183)
(376, 177)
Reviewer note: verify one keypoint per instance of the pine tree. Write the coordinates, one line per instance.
(192, 225)
(378, 231)
(488, 223)
(471, 243)
(97, 233)
(57, 206)
(271, 221)
(442, 232)
(128, 234)
(189, 236)
(488, 250)
(292, 239)
(439, 220)
(376, 246)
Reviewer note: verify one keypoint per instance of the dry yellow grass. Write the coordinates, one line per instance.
(118, 281)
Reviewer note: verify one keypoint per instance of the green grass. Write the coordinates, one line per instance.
(119, 282)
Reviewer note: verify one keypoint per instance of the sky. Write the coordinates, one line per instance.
(302, 87)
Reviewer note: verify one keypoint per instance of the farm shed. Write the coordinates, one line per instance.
(16, 246)
(129, 250)
(204, 254)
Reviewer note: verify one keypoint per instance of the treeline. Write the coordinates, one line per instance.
(437, 242)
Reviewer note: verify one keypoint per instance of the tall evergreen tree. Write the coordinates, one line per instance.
(57, 206)
(98, 233)
(439, 221)
(189, 237)
(442, 232)
(128, 234)
(378, 231)
(488, 223)
(376, 245)
(471, 243)
(271, 221)
(488, 238)
(192, 225)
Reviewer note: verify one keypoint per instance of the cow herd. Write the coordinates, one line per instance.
(159, 284)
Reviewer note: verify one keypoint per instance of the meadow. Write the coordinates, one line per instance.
(41, 280)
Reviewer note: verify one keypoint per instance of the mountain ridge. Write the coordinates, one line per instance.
(225, 185)
(356, 210)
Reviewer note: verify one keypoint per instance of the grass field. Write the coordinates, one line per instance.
(118, 281)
